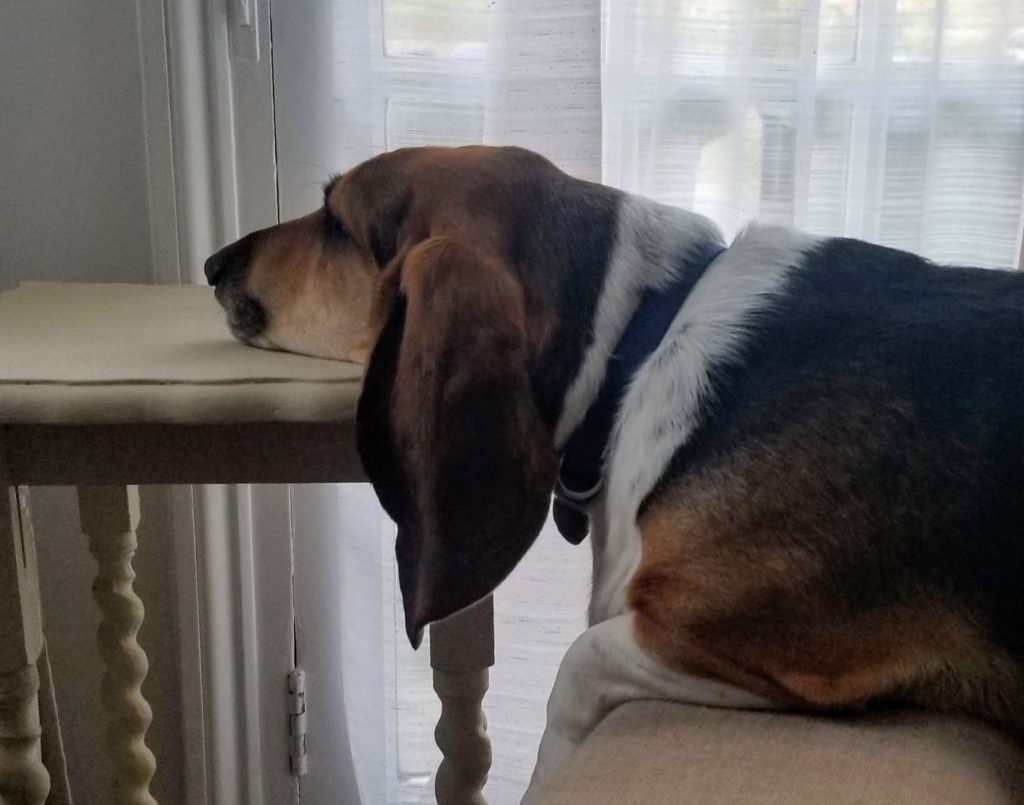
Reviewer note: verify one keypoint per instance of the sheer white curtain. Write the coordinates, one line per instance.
(899, 121)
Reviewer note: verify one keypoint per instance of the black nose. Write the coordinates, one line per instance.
(232, 260)
(215, 265)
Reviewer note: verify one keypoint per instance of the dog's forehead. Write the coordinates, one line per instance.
(361, 189)
(403, 196)
(405, 164)
(432, 170)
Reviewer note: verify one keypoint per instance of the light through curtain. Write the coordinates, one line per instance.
(898, 121)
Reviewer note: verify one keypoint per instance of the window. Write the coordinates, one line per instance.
(898, 121)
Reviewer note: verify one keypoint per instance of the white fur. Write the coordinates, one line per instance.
(664, 403)
(604, 668)
(649, 240)
(660, 411)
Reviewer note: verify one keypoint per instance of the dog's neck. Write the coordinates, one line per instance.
(655, 259)
(654, 247)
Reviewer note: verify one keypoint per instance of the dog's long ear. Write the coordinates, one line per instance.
(448, 431)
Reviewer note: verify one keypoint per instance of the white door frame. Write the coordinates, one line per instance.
(303, 38)
(206, 68)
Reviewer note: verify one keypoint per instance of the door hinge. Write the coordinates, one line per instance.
(297, 723)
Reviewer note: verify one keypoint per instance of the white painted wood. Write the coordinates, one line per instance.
(23, 778)
(244, 594)
(22, 635)
(52, 740)
(110, 518)
(253, 139)
(190, 654)
(320, 628)
(247, 623)
(461, 651)
(21, 627)
(304, 129)
(305, 125)
(223, 137)
(225, 178)
(273, 616)
(235, 697)
(195, 122)
(156, 116)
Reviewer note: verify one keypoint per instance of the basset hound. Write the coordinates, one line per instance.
(800, 460)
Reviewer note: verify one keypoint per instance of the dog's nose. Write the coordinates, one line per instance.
(215, 265)
(231, 260)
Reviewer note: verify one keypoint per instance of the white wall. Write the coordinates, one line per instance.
(73, 207)
(72, 151)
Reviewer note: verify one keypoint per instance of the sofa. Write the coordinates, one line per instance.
(649, 753)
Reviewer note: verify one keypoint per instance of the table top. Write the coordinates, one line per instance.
(92, 354)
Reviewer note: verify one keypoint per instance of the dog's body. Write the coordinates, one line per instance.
(813, 489)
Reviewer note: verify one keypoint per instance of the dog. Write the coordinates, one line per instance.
(800, 460)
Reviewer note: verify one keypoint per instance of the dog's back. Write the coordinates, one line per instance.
(847, 522)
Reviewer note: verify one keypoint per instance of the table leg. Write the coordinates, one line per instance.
(53, 742)
(23, 777)
(110, 516)
(461, 651)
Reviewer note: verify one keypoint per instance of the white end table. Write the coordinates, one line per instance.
(110, 386)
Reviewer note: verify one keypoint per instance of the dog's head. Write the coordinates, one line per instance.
(414, 265)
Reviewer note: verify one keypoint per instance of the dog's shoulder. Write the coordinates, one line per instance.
(883, 396)
(865, 318)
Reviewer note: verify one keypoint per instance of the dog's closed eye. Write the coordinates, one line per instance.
(334, 229)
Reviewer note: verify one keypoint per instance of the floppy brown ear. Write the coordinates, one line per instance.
(449, 433)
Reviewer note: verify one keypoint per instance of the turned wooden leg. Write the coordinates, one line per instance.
(23, 778)
(110, 516)
(461, 651)
(53, 742)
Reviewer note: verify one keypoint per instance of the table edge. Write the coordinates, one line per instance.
(180, 453)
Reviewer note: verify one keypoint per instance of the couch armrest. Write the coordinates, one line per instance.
(646, 753)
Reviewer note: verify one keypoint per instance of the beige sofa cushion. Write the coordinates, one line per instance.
(645, 753)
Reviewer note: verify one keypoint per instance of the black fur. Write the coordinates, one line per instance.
(914, 374)
(575, 231)
(374, 438)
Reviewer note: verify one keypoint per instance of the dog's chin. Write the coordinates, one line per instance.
(258, 341)
(261, 341)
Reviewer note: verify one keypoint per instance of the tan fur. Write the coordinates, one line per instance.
(331, 300)
(318, 295)
(711, 596)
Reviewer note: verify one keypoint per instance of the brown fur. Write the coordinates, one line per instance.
(327, 299)
(448, 431)
(777, 561)
(752, 571)
(317, 308)
(437, 267)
